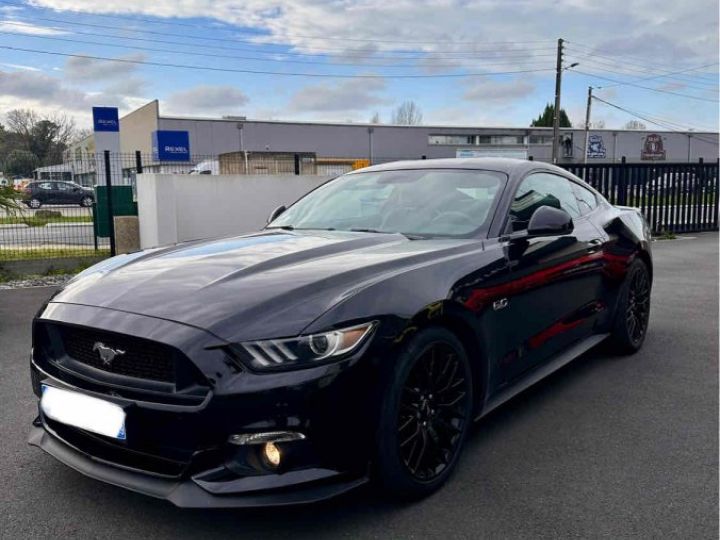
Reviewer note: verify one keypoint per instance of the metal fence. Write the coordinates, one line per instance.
(674, 197)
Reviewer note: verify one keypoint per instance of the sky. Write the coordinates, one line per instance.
(464, 62)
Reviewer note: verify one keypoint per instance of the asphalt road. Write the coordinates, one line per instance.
(606, 447)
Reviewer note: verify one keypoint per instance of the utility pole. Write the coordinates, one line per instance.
(587, 123)
(556, 117)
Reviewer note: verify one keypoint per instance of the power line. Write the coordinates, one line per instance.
(263, 72)
(585, 57)
(214, 28)
(255, 58)
(246, 41)
(274, 53)
(590, 51)
(653, 77)
(625, 83)
(657, 122)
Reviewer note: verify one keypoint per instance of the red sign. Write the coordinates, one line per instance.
(653, 148)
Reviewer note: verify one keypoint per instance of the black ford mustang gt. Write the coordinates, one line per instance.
(356, 337)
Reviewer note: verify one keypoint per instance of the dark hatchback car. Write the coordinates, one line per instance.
(357, 337)
(43, 192)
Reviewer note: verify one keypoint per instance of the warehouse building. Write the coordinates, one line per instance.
(335, 147)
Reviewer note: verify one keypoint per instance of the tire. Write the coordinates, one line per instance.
(86, 202)
(34, 203)
(401, 437)
(633, 310)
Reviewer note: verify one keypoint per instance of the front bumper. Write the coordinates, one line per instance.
(178, 448)
(295, 488)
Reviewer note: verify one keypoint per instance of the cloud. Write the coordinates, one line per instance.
(91, 70)
(207, 99)
(497, 90)
(20, 27)
(349, 95)
(647, 26)
(48, 94)
(20, 66)
(38, 87)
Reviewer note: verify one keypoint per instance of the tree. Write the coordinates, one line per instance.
(407, 114)
(636, 125)
(546, 118)
(20, 163)
(45, 136)
(375, 118)
(8, 198)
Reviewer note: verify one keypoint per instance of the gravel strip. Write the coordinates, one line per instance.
(36, 281)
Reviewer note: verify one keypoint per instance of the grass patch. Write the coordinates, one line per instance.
(42, 220)
(49, 253)
(665, 235)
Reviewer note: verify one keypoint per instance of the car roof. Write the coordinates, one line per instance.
(512, 167)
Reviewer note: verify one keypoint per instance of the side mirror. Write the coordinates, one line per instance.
(549, 221)
(276, 213)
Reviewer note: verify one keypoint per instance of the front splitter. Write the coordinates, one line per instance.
(186, 493)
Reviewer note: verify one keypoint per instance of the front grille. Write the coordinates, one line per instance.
(141, 358)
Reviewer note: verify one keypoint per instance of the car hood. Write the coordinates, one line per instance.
(269, 284)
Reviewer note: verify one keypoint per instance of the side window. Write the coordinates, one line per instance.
(587, 202)
(541, 189)
(64, 187)
(45, 185)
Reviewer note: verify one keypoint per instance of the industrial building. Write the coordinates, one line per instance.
(343, 146)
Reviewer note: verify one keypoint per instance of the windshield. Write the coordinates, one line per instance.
(425, 202)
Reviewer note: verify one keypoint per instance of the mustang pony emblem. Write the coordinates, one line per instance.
(107, 354)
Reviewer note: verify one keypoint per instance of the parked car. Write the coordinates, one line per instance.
(356, 337)
(209, 166)
(43, 192)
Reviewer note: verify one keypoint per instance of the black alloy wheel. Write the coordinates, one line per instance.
(637, 310)
(633, 310)
(426, 414)
(433, 412)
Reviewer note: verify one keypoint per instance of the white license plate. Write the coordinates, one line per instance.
(84, 412)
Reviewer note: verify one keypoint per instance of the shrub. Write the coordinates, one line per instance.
(48, 214)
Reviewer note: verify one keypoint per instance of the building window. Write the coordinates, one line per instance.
(477, 140)
(507, 140)
(452, 139)
(541, 139)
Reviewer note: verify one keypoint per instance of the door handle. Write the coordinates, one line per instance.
(594, 245)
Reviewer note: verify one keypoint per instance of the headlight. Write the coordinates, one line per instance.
(304, 351)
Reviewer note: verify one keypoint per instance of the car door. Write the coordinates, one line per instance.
(555, 282)
(65, 193)
(45, 192)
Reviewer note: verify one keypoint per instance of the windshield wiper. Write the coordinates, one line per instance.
(370, 231)
(293, 228)
(409, 236)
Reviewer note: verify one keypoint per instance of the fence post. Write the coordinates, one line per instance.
(108, 186)
(297, 164)
(138, 162)
(622, 183)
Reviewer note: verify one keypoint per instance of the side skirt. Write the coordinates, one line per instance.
(543, 371)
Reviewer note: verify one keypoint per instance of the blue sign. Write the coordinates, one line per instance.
(596, 147)
(106, 119)
(171, 145)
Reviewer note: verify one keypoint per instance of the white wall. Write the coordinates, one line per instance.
(179, 207)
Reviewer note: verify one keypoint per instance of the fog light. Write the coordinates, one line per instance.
(271, 453)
